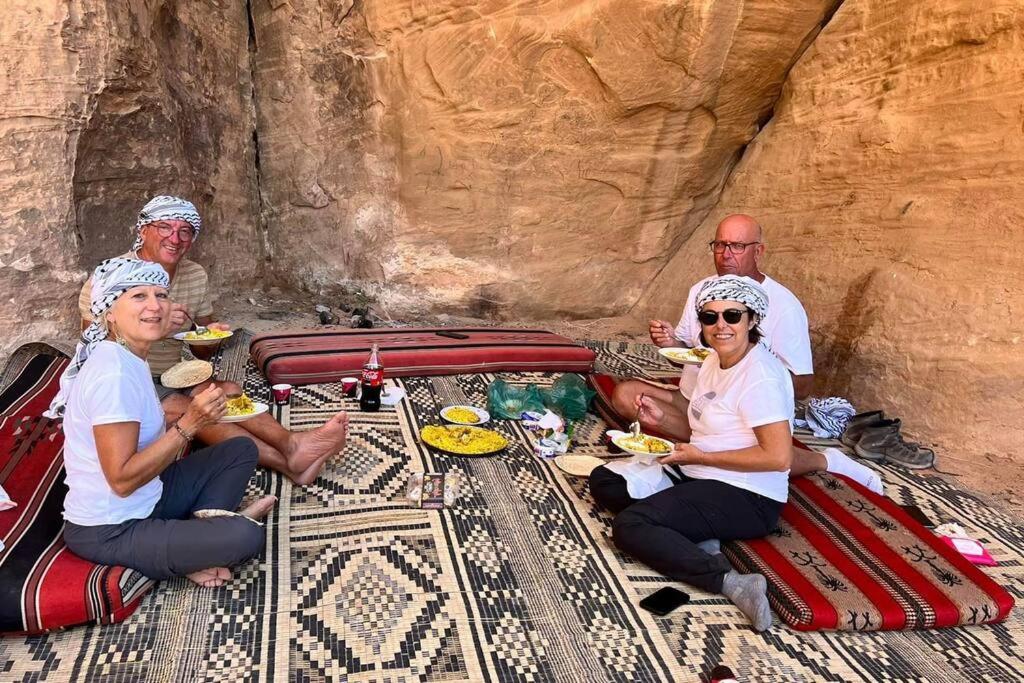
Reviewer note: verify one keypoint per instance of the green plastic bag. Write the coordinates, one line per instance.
(507, 402)
(568, 397)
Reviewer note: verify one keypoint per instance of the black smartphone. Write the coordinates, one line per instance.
(663, 601)
(452, 335)
(917, 514)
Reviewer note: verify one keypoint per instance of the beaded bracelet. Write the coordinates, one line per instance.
(185, 435)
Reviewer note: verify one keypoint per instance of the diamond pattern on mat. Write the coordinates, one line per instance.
(566, 554)
(514, 645)
(614, 644)
(371, 610)
(485, 552)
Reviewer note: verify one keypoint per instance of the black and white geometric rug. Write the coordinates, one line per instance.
(517, 582)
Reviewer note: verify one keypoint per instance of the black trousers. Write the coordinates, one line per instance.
(662, 530)
(170, 542)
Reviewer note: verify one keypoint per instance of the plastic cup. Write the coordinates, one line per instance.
(282, 393)
(349, 385)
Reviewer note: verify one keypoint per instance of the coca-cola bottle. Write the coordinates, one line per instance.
(371, 383)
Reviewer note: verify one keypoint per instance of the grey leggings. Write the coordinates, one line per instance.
(170, 542)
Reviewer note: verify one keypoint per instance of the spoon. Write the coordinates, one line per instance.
(199, 329)
(634, 427)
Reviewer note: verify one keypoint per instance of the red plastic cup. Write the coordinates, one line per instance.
(282, 393)
(349, 385)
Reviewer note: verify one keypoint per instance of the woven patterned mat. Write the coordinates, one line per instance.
(517, 582)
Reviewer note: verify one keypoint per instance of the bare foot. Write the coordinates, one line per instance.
(306, 448)
(309, 476)
(259, 509)
(210, 578)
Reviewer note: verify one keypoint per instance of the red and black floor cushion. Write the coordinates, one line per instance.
(43, 586)
(328, 354)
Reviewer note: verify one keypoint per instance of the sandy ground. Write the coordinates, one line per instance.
(994, 477)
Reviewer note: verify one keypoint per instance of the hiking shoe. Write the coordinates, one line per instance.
(910, 455)
(857, 424)
(871, 437)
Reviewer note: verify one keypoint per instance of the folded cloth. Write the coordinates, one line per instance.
(5, 500)
(644, 476)
(827, 417)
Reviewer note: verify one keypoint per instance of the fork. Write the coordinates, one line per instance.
(634, 427)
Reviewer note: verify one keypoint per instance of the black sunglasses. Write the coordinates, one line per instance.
(731, 316)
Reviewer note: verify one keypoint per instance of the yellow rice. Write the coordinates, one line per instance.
(464, 415)
(240, 405)
(645, 444)
(209, 334)
(463, 440)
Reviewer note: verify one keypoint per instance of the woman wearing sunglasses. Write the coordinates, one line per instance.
(731, 480)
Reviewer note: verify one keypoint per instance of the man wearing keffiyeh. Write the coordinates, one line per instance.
(165, 231)
(737, 250)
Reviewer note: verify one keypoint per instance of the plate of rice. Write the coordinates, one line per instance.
(641, 445)
(205, 339)
(463, 440)
(679, 356)
(465, 415)
(243, 408)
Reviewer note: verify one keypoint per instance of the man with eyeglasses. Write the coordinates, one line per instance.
(165, 231)
(737, 249)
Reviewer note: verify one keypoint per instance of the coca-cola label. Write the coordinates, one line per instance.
(373, 376)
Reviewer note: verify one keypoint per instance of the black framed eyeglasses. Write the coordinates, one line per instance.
(719, 246)
(731, 316)
(184, 234)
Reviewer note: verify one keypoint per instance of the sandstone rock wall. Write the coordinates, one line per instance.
(891, 183)
(103, 104)
(492, 157)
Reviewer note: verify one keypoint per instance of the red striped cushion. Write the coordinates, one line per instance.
(328, 354)
(42, 584)
(844, 558)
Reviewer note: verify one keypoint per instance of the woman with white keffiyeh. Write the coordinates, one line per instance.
(130, 501)
(731, 480)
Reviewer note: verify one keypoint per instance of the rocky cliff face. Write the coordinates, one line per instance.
(489, 158)
(890, 184)
(549, 159)
(102, 105)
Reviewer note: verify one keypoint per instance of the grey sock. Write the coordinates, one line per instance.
(712, 546)
(749, 592)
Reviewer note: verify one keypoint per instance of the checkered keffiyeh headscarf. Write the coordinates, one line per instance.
(164, 208)
(745, 290)
(111, 279)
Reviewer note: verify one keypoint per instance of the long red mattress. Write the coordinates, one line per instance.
(327, 354)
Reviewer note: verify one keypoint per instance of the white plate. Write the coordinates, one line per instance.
(260, 408)
(479, 412)
(617, 437)
(578, 465)
(679, 356)
(202, 342)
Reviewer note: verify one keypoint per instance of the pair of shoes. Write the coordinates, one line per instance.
(874, 437)
(857, 424)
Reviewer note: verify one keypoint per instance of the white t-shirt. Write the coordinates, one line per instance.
(114, 385)
(728, 404)
(784, 331)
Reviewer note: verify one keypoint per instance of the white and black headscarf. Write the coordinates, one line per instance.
(745, 290)
(111, 279)
(165, 208)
